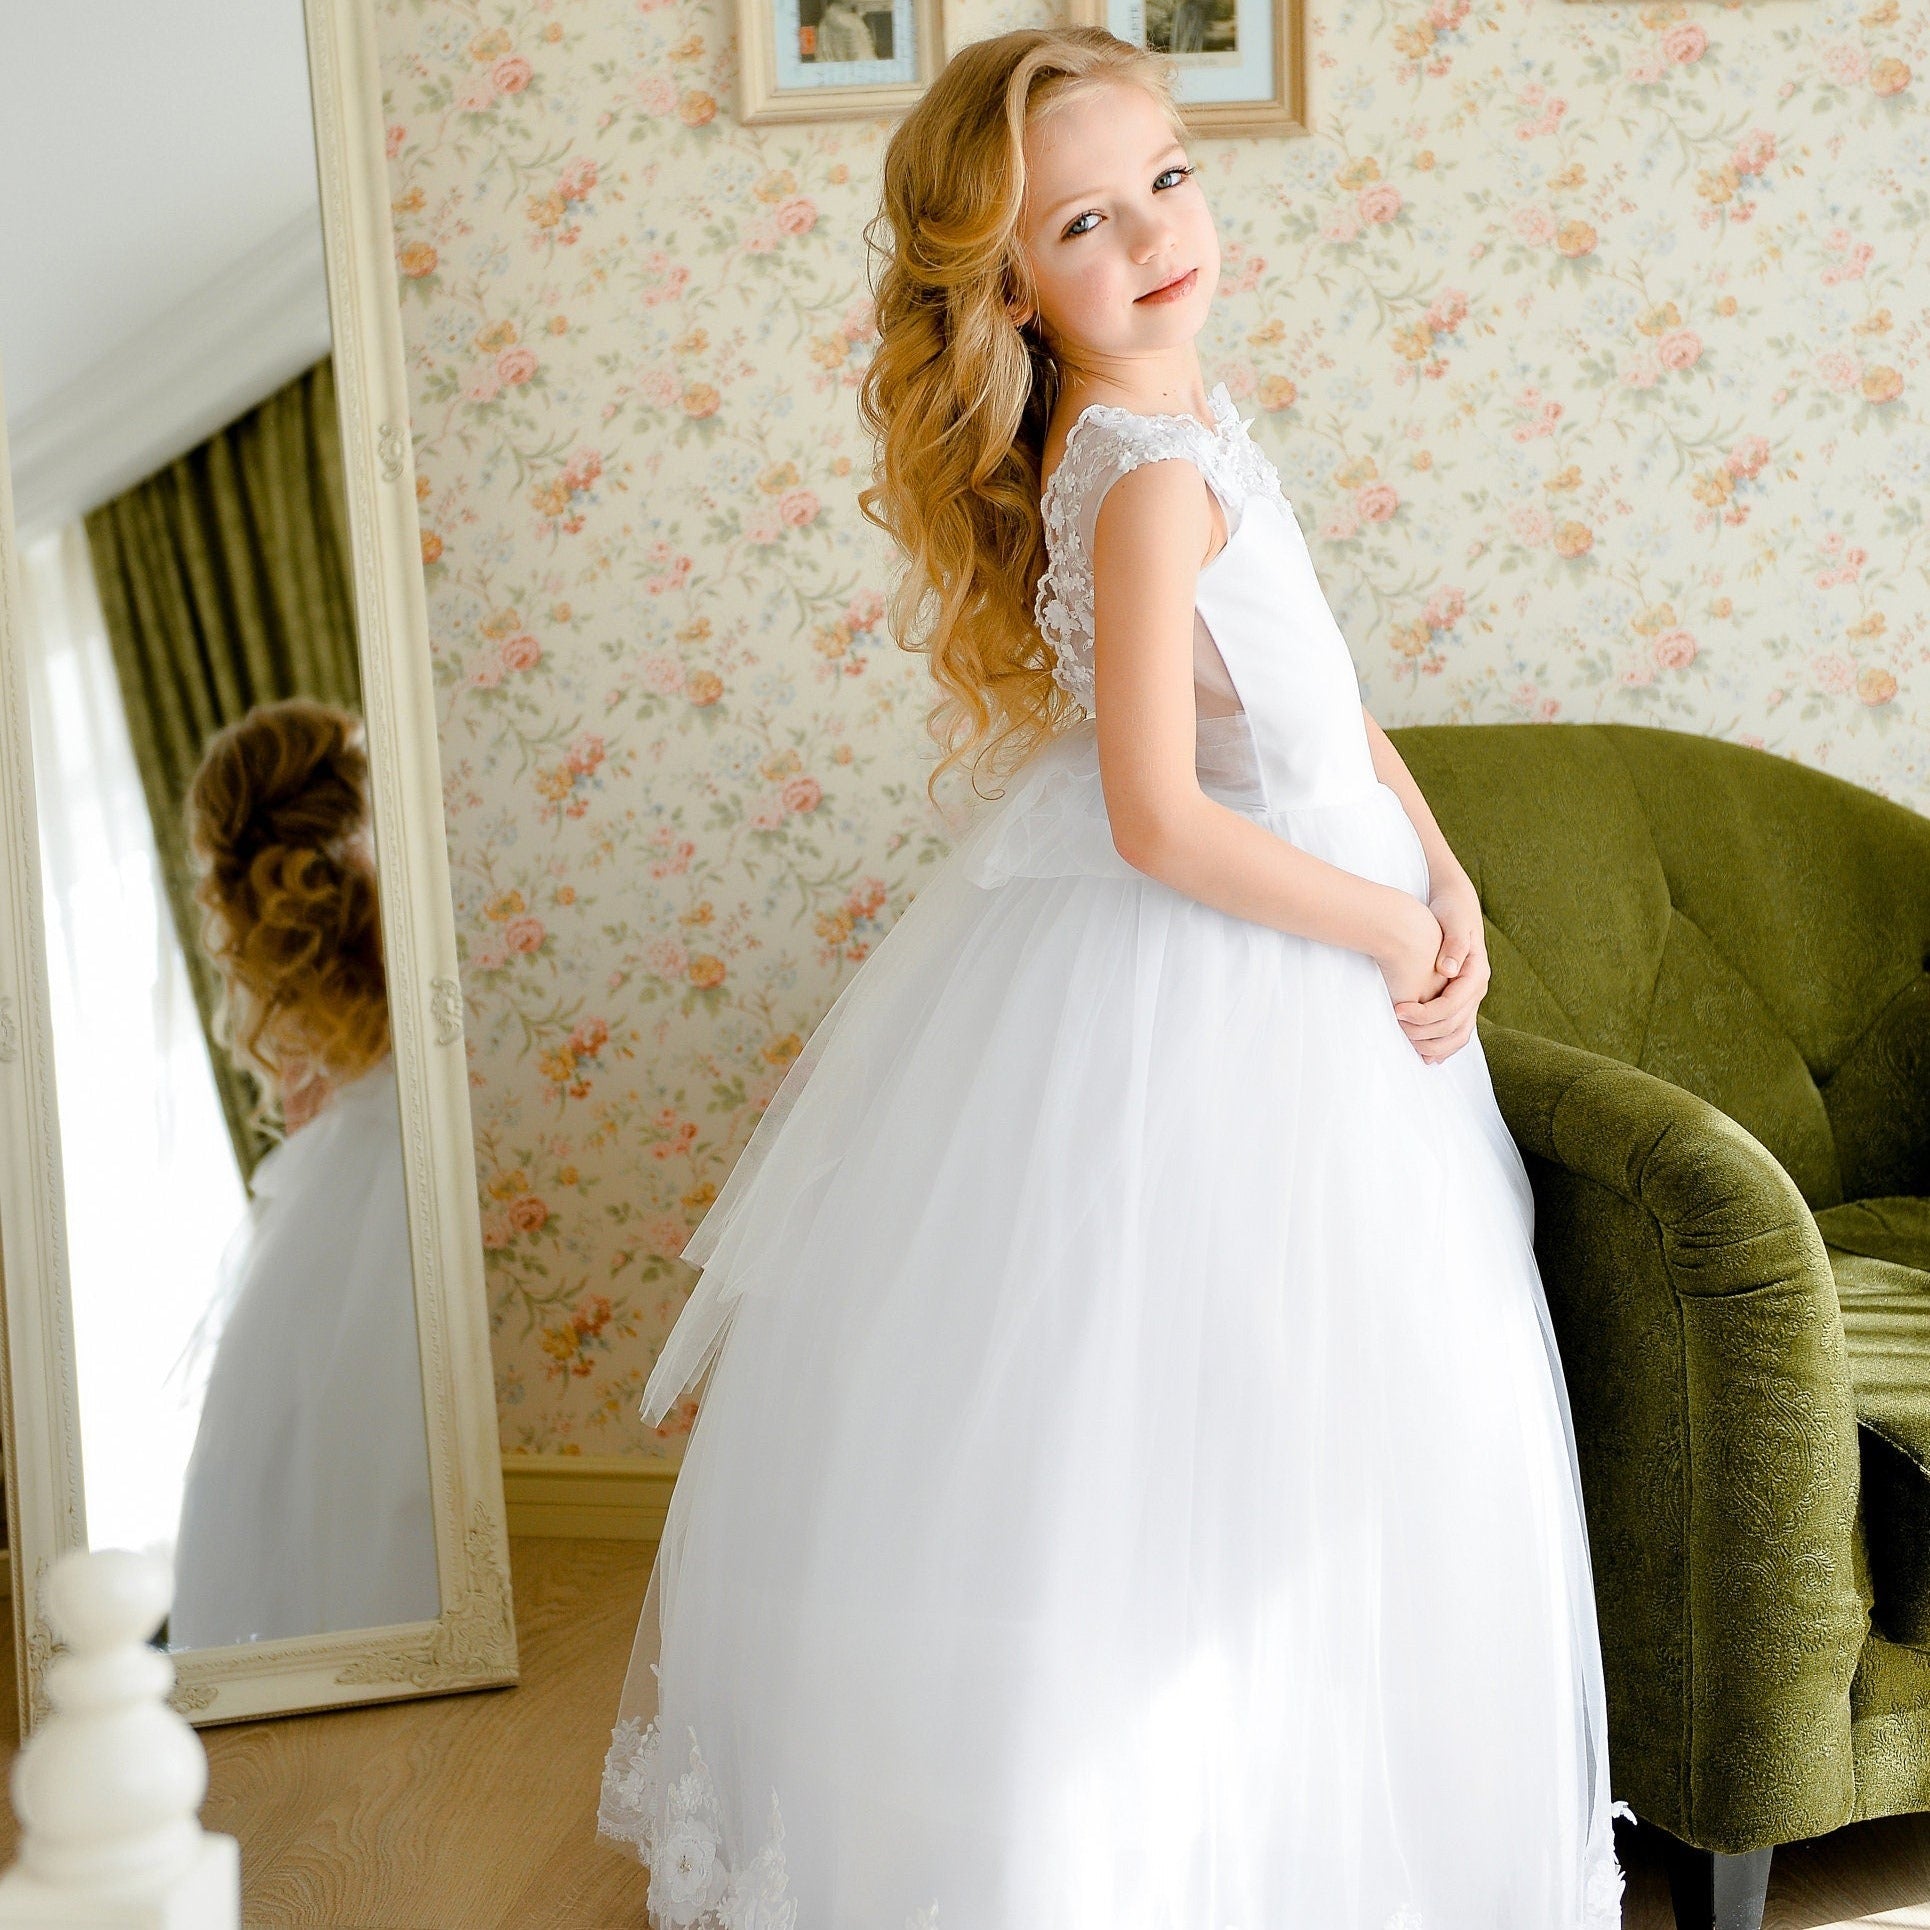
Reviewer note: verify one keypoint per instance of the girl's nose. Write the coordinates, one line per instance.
(1154, 237)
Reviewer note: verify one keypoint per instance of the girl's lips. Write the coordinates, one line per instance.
(1174, 289)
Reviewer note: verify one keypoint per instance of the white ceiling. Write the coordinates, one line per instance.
(155, 155)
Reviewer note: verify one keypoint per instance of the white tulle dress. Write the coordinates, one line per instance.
(1136, 1490)
(306, 1505)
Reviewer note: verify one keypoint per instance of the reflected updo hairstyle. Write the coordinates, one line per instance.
(958, 395)
(277, 822)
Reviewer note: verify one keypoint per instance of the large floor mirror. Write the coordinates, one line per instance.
(244, 1305)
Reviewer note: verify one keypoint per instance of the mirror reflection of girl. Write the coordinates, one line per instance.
(1134, 1490)
(306, 1506)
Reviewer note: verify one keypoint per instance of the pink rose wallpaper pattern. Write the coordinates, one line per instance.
(1586, 341)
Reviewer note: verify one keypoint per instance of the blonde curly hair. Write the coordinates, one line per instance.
(278, 824)
(959, 395)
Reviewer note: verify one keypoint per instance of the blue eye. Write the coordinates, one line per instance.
(1073, 230)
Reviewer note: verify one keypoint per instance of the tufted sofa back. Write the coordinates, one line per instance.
(1737, 924)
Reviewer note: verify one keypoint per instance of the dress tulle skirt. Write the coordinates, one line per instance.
(1137, 1490)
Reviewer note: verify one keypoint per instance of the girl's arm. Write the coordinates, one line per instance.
(1439, 1025)
(1154, 527)
(1443, 867)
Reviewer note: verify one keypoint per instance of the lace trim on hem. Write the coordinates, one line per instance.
(674, 1824)
(1603, 1884)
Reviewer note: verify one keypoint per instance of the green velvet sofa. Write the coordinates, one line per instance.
(1709, 1032)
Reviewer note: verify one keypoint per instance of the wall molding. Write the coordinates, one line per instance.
(210, 358)
(598, 1497)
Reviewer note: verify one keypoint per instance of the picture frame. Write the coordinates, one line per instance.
(817, 60)
(1246, 75)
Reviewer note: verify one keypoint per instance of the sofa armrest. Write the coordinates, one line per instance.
(1698, 1320)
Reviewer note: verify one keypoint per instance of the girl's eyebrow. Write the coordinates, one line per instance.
(1089, 194)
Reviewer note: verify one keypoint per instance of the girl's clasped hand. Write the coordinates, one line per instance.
(1440, 975)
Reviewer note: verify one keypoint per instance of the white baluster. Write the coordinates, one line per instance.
(107, 1790)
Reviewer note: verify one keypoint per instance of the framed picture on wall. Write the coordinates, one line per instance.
(1242, 63)
(816, 60)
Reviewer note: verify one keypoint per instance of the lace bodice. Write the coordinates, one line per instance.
(1101, 446)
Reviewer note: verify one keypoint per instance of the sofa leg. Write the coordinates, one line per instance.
(1713, 1892)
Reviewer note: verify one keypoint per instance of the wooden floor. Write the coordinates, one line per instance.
(478, 1812)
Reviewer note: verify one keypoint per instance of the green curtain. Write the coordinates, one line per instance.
(225, 581)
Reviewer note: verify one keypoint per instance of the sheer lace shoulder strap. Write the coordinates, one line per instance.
(1101, 447)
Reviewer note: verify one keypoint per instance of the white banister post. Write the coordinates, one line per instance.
(107, 1790)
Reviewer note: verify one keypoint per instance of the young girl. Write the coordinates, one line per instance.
(1138, 1491)
(306, 1505)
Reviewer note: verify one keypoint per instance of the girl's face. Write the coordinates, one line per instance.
(1113, 212)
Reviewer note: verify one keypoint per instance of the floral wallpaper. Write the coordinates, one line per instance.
(1586, 337)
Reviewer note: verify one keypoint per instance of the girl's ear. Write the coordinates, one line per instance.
(1016, 306)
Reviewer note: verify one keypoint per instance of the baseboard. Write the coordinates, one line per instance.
(598, 1497)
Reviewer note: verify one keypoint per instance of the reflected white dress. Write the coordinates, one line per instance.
(1136, 1490)
(306, 1505)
